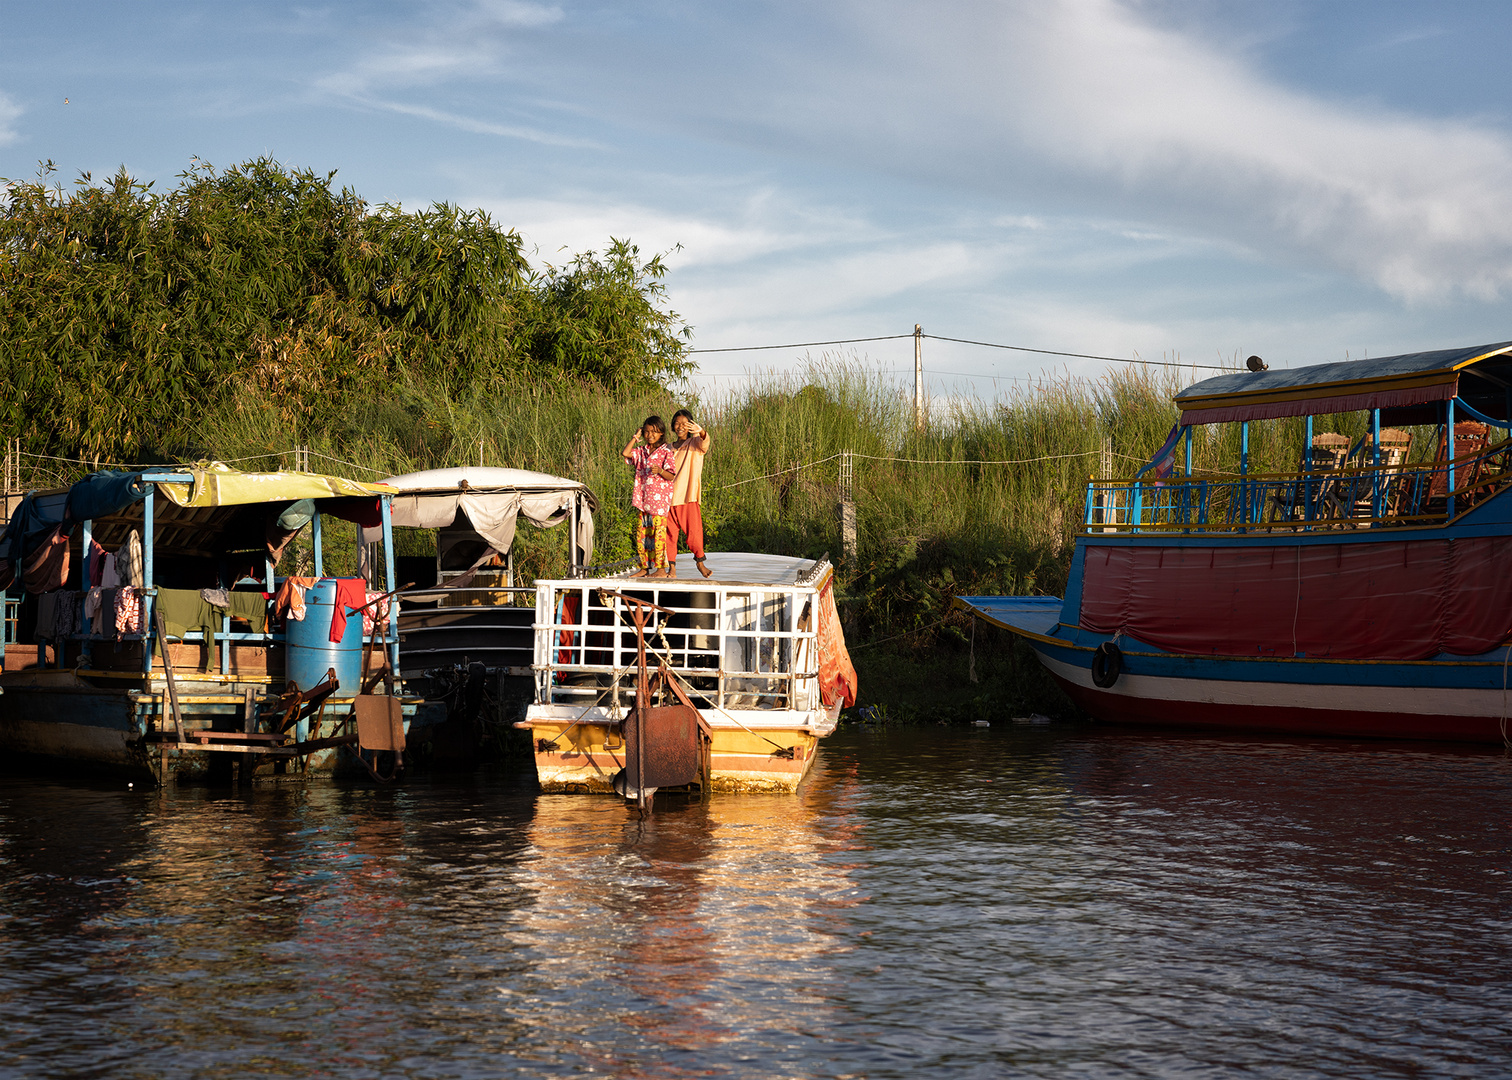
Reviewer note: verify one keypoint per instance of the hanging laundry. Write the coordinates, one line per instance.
(131, 573)
(289, 601)
(128, 611)
(46, 568)
(351, 594)
(220, 598)
(373, 613)
(184, 611)
(97, 557)
(104, 625)
(110, 578)
(250, 608)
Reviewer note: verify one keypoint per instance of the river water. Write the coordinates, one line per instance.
(1005, 901)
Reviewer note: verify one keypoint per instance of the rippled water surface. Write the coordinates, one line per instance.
(984, 902)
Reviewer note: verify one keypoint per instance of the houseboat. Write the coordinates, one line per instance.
(1364, 593)
(733, 679)
(465, 636)
(146, 632)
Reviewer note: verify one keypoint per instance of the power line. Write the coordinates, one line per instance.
(804, 344)
(966, 341)
(1080, 356)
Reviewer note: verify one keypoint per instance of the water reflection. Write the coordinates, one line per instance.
(1006, 901)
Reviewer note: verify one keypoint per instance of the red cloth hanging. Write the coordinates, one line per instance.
(351, 594)
(837, 677)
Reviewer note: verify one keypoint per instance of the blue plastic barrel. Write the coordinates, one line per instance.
(311, 652)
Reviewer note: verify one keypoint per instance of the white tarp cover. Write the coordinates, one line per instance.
(493, 501)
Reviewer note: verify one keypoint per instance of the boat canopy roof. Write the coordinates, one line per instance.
(490, 501)
(1481, 374)
(207, 509)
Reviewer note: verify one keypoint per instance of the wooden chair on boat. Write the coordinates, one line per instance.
(1329, 452)
(1396, 444)
(1470, 440)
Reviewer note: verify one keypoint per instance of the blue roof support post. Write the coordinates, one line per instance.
(86, 576)
(1377, 498)
(1307, 464)
(1090, 502)
(390, 583)
(1186, 492)
(315, 537)
(1449, 448)
(1136, 511)
(149, 594)
(1244, 499)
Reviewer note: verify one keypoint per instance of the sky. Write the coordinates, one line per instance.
(1192, 181)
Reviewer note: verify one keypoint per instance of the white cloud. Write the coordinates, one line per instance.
(10, 112)
(1188, 131)
(753, 226)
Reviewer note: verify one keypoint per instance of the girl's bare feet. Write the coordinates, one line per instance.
(702, 569)
(642, 572)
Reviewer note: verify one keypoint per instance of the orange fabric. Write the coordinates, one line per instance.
(687, 487)
(686, 519)
(289, 600)
(837, 677)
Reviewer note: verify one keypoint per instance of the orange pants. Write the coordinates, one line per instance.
(686, 518)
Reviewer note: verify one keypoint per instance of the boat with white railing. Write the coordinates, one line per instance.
(1366, 593)
(740, 674)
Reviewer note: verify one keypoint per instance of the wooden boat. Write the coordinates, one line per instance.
(165, 705)
(756, 651)
(1366, 593)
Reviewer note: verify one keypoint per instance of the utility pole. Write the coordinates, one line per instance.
(918, 376)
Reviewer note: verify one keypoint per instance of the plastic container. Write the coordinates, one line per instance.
(311, 652)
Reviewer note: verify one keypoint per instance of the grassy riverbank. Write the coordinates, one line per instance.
(984, 498)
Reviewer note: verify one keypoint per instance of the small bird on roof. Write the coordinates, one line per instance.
(1254, 363)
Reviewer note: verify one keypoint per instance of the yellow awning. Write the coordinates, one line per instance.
(217, 484)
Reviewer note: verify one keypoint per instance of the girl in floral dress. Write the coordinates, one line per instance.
(654, 465)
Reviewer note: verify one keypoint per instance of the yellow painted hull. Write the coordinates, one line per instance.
(585, 757)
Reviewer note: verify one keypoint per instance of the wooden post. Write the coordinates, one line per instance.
(847, 507)
(918, 376)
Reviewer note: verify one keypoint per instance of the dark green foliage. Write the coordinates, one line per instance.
(127, 315)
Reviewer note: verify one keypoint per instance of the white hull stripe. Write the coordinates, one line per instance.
(1405, 700)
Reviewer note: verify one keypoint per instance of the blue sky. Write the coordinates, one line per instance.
(1204, 180)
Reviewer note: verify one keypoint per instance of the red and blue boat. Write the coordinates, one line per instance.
(1365, 593)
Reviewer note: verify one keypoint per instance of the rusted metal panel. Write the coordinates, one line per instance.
(380, 722)
(672, 747)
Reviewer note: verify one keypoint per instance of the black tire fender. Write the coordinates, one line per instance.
(1107, 664)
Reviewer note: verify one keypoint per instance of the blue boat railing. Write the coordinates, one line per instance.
(1355, 496)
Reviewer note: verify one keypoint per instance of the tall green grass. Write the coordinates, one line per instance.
(984, 497)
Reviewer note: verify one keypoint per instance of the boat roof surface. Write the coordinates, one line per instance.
(726, 568)
(479, 478)
(1338, 387)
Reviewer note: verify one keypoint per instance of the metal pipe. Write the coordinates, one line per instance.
(1449, 449)
(148, 593)
(315, 537)
(385, 507)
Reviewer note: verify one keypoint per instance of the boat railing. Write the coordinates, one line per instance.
(1351, 497)
(734, 647)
